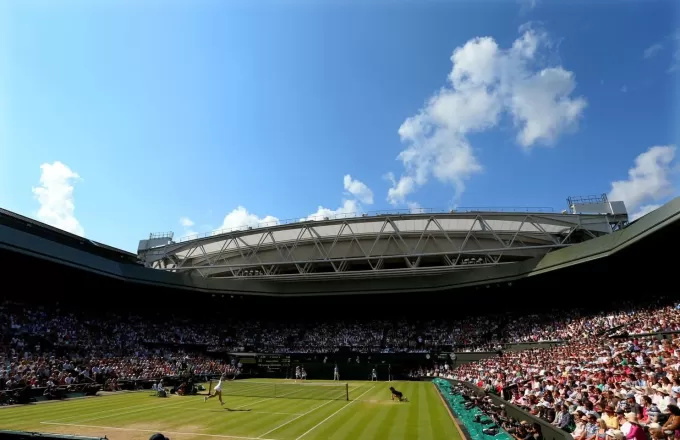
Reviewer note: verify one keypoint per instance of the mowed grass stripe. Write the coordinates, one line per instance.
(166, 413)
(72, 408)
(167, 407)
(441, 418)
(313, 432)
(262, 423)
(385, 414)
(424, 415)
(188, 420)
(249, 423)
(303, 424)
(373, 415)
(404, 426)
(296, 425)
(70, 411)
(218, 419)
(388, 414)
(350, 421)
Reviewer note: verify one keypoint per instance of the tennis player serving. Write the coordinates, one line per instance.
(218, 388)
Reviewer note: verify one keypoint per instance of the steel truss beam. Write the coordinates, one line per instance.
(431, 249)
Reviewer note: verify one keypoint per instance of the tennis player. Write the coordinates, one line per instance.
(218, 389)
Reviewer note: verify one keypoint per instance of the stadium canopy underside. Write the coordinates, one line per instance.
(382, 246)
(20, 235)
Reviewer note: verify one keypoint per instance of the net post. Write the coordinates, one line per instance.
(347, 391)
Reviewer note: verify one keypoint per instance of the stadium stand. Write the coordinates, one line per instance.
(590, 350)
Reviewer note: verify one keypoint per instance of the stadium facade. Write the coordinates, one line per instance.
(384, 253)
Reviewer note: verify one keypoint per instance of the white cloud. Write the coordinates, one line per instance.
(527, 6)
(241, 218)
(187, 223)
(648, 181)
(358, 189)
(653, 50)
(485, 82)
(349, 208)
(55, 196)
(671, 41)
(415, 207)
(644, 210)
(399, 190)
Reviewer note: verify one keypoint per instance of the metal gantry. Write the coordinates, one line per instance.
(379, 245)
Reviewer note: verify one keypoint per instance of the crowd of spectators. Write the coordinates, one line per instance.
(607, 374)
(591, 350)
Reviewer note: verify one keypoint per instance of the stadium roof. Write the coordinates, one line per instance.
(20, 223)
(18, 234)
(378, 245)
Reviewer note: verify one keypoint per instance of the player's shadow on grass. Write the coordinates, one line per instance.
(237, 410)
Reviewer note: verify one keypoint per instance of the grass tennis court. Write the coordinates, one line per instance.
(369, 414)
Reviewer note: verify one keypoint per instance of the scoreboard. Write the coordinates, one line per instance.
(273, 360)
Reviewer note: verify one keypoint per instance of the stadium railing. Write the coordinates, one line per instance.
(549, 431)
(313, 391)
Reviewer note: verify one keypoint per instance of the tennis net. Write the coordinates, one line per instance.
(313, 391)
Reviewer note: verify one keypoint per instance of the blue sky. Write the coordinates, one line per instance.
(124, 118)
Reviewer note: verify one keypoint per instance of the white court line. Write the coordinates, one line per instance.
(131, 411)
(253, 403)
(336, 412)
(248, 411)
(279, 413)
(154, 431)
(267, 399)
(155, 405)
(300, 382)
(294, 419)
(108, 410)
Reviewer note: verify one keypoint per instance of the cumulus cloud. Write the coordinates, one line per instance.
(415, 208)
(358, 189)
(400, 189)
(55, 196)
(240, 218)
(349, 208)
(485, 83)
(648, 181)
(187, 224)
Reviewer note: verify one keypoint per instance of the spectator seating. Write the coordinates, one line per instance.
(595, 356)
